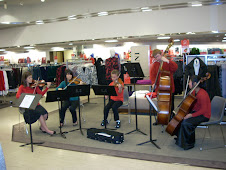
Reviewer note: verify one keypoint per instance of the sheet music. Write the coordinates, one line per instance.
(26, 103)
(152, 103)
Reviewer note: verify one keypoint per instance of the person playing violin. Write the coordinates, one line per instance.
(168, 65)
(40, 113)
(115, 101)
(73, 102)
(201, 112)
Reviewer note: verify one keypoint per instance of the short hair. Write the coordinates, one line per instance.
(195, 79)
(24, 78)
(115, 72)
(155, 52)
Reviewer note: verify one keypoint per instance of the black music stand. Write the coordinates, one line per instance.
(104, 90)
(29, 101)
(152, 105)
(80, 90)
(134, 70)
(59, 96)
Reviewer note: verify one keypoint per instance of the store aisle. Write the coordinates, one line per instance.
(48, 158)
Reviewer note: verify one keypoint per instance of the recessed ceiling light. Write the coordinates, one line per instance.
(163, 38)
(214, 31)
(190, 33)
(39, 22)
(176, 40)
(70, 44)
(2, 49)
(102, 14)
(29, 47)
(224, 38)
(42, 0)
(111, 41)
(5, 22)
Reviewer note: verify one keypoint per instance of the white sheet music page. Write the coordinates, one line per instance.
(26, 103)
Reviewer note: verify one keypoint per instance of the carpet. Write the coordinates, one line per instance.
(213, 154)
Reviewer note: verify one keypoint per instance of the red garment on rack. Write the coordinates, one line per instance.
(111, 64)
(2, 81)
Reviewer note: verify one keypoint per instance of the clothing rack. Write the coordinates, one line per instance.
(76, 61)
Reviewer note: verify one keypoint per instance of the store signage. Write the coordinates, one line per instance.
(55, 59)
(185, 46)
(73, 56)
(1, 60)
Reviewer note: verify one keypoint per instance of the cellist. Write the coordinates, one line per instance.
(168, 65)
(201, 112)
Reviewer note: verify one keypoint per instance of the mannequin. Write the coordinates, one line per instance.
(196, 66)
(112, 53)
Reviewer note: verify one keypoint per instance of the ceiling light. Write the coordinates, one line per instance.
(111, 41)
(102, 14)
(5, 22)
(42, 0)
(196, 3)
(2, 49)
(71, 17)
(146, 9)
(163, 38)
(21, 3)
(176, 40)
(224, 38)
(39, 22)
(214, 31)
(70, 44)
(29, 47)
(190, 33)
(57, 49)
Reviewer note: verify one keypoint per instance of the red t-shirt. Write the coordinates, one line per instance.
(30, 90)
(171, 66)
(119, 96)
(202, 105)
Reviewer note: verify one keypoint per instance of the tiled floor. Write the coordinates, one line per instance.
(47, 158)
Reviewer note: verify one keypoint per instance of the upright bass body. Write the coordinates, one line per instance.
(164, 98)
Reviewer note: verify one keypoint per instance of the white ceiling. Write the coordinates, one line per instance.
(195, 38)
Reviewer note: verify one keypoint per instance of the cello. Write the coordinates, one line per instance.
(185, 107)
(164, 92)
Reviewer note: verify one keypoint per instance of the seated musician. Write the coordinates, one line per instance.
(167, 66)
(40, 113)
(115, 101)
(73, 102)
(201, 112)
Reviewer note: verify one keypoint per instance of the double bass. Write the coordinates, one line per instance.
(164, 92)
(184, 108)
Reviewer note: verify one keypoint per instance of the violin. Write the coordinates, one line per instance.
(119, 81)
(40, 83)
(75, 81)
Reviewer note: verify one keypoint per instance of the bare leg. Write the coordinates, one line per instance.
(44, 126)
(45, 116)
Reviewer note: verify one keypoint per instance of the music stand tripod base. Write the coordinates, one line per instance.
(135, 71)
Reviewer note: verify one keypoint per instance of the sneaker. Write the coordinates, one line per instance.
(118, 124)
(103, 122)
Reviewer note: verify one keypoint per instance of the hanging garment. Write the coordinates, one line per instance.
(111, 64)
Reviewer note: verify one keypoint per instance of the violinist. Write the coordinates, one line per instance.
(168, 65)
(115, 101)
(73, 102)
(201, 112)
(40, 113)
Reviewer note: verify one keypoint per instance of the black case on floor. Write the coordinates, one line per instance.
(104, 135)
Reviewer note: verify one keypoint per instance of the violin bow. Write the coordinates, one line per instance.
(71, 81)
